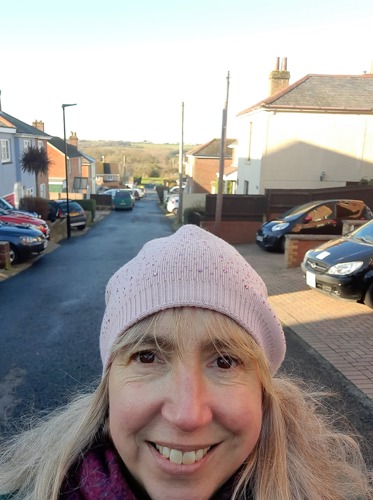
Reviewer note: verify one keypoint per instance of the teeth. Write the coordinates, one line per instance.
(178, 457)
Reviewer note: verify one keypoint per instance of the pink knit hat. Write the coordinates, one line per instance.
(194, 268)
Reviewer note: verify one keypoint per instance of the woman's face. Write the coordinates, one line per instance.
(183, 423)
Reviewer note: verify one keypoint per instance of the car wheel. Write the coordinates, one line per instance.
(282, 245)
(13, 254)
(368, 299)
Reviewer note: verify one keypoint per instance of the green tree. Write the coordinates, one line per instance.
(35, 161)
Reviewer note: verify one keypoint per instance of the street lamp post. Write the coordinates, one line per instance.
(68, 228)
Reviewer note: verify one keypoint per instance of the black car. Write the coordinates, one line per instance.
(23, 241)
(343, 267)
(315, 217)
(58, 210)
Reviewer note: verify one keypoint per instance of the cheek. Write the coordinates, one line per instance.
(243, 412)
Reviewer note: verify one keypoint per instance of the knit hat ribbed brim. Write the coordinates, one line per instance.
(191, 268)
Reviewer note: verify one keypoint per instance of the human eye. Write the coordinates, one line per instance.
(226, 361)
(145, 357)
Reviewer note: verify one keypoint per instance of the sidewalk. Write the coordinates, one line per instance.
(340, 331)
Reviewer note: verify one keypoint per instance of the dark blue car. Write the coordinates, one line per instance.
(315, 217)
(23, 241)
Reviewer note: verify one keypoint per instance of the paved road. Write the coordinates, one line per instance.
(51, 312)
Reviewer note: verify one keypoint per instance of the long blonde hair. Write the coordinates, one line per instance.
(299, 455)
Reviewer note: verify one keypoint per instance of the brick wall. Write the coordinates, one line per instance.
(297, 245)
(235, 233)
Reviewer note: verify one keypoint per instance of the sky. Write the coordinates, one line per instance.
(130, 66)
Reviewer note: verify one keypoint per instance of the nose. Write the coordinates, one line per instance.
(188, 405)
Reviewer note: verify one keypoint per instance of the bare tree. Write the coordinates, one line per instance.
(36, 161)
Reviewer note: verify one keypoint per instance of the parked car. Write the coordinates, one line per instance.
(315, 217)
(343, 267)
(123, 200)
(138, 192)
(13, 217)
(5, 205)
(23, 241)
(110, 191)
(175, 190)
(113, 191)
(58, 210)
(173, 204)
(141, 191)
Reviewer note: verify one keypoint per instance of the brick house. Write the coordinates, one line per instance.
(202, 167)
(81, 168)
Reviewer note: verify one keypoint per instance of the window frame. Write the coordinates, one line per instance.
(5, 151)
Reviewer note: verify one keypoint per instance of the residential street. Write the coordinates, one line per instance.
(51, 315)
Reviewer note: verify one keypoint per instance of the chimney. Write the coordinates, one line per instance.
(38, 124)
(279, 78)
(73, 139)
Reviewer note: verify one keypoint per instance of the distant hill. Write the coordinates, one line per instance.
(138, 158)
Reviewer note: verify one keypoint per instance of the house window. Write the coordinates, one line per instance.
(40, 144)
(43, 190)
(26, 144)
(246, 187)
(29, 192)
(250, 139)
(5, 150)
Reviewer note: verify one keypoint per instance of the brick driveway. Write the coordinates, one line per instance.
(341, 331)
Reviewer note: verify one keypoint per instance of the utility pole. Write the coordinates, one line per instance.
(181, 158)
(219, 197)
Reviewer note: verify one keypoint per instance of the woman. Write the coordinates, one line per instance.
(190, 405)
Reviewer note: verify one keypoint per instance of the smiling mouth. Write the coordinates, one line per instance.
(179, 457)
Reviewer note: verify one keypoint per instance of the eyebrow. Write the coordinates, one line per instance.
(168, 344)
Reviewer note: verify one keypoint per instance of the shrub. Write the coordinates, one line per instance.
(193, 215)
(35, 204)
(160, 191)
(88, 205)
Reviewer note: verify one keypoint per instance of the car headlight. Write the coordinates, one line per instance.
(28, 240)
(345, 268)
(280, 227)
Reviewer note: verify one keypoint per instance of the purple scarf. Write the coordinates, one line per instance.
(101, 475)
(98, 476)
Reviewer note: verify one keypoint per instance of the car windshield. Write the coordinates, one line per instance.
(122, 194)
(299, 209)
(364, 233)
(72, 206)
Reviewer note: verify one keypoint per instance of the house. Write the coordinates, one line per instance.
(15, 137)
(81, 168)
(314, 133)
(109, 175)
(202, 167)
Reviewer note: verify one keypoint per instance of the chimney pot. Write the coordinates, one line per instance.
(38, 124)
(279, 79)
